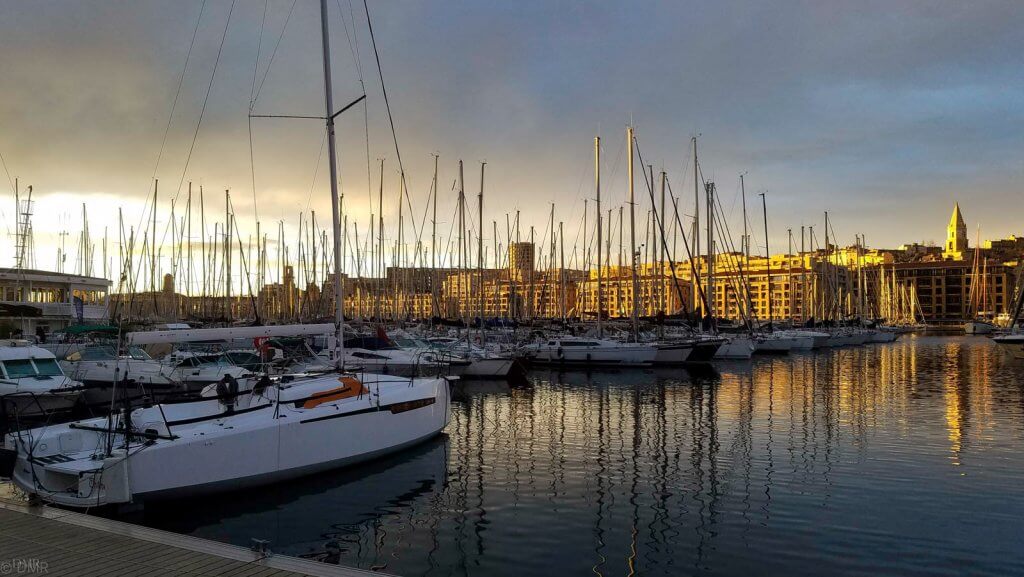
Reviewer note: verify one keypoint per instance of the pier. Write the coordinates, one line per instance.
(43, 540)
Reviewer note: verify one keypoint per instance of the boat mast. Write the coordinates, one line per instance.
(709, 299)
(600, 263)
(480, 251)
(768, 261)
(339, 315)
(632, 233)
(696, 222)
(433, 250)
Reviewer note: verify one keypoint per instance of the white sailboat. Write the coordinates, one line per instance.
(589, 352)
(274, 432)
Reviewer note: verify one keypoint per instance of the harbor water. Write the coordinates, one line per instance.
(895, 459)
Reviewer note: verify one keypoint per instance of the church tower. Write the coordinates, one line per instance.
(956, 236)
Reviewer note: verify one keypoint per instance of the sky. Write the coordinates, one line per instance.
(882, 113)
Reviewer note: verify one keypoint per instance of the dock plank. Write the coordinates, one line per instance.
(71, 543)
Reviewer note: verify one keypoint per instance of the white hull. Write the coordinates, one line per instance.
(978, 328)
(673, 353)
(735, 348)
(775, 344)
(497, 368)
(260, 443)
(588, 353)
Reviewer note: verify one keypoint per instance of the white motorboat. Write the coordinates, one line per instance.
(589, 352)
(1012, 344)
(261, 436)
(196, 370)
(735, 348)
(32, 383)
(106, 375)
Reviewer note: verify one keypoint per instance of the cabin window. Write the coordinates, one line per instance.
(19, 368)
(48, 367)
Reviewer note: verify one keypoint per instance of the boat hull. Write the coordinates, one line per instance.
(735, 349)
(254, 446)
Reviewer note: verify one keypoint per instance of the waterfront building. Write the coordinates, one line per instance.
(37, 302)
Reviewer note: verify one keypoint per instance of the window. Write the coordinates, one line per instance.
(48, 367)
(19, 368)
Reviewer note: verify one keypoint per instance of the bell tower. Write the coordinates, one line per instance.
(956, 236)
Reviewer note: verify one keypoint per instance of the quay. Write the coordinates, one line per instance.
(43, 540)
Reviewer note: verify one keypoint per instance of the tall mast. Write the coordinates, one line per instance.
(768, 260)
(709, 294)
(660, 230)
(597, 186)
(433, 249)
(152, 247)
(339, 314)
(632, 232)
(480, 250)
(561, 270)
(789, 274)
(696, 223)
(745, 245)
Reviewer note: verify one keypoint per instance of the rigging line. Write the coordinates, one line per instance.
(252, 92)
(316, 170)
(273, 54)
(202, 113)
(387, 105)
(4, 163)
(206, 99)
(177, 93)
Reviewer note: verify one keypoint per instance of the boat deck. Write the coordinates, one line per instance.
(45, 540)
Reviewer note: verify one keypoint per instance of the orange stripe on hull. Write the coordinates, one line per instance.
(352, 388)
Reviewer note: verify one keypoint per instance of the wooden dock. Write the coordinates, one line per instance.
(40, 540)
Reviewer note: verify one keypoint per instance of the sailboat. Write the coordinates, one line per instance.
(278, 430)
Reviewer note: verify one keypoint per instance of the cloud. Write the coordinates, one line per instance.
(869, 110)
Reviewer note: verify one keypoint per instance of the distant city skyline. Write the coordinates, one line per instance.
(884, 116)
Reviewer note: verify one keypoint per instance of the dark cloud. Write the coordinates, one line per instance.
(882, 113)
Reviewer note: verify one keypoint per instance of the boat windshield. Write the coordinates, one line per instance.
(19, 368)
(48, 367)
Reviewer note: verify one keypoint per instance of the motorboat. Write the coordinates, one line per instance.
(587, 352)
(33, 384)
(107, 375)
(268, 434)
(482, 362)
(195, 370)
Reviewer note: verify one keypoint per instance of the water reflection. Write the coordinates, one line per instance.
(900, 458)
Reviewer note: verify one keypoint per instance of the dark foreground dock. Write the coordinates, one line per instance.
(38, 540)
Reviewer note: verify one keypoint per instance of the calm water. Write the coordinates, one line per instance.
(902, 459)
